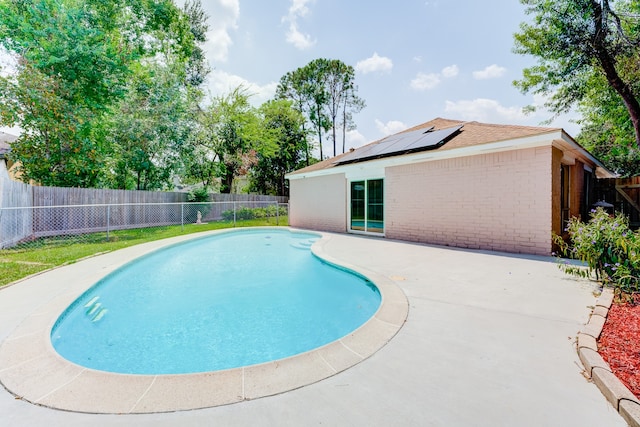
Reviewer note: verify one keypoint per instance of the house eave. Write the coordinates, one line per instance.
(541, 140)
(572, 151)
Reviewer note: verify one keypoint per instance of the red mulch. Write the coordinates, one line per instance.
(619, 343)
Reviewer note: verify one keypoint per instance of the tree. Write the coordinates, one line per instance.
(57, 147)
(230, 139)
(607, 131)
(577, 40)
(197, 67)
(284, 125)
(291, 87)
(75, 61)
(342, 98)
(351, 104)
(146, 130)
(325, 92)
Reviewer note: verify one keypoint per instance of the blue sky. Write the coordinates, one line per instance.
(415, 60)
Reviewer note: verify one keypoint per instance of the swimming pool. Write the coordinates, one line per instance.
(220, 302)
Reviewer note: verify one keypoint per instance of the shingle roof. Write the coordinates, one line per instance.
(472, 133)
(476, 133)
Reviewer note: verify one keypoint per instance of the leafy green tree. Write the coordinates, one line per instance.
(305, 86)
(576, 41)
(146, 130)
(607, 131)
(324, 91)
(67, 67)
(229, 139)
(351, 104)
(57, 147)
(197, 67)
(284, 125)
(342, 98)
(75, 61)
(291, 87)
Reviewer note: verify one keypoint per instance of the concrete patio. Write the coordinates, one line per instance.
(489, 341)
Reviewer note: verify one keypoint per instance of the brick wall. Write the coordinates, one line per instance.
(319, 203)
(500, 201)
(556, 184)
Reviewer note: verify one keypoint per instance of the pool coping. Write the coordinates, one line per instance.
(33, 371)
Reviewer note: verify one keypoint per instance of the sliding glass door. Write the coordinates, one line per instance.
(367, 206)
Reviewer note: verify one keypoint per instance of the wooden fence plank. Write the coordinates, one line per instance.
(52, 211)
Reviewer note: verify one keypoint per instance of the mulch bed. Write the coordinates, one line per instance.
(619, 343)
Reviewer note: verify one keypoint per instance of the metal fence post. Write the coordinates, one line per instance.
(181, 216)
(108, 220)
(234, 213)
(277, 213)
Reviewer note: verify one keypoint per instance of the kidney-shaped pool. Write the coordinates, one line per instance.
(214, 303)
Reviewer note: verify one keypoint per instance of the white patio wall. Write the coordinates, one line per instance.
(319, 203)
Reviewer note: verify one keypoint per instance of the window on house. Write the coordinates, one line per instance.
(565, 208)
(367, 206)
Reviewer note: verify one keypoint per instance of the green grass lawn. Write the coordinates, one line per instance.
(47, 253)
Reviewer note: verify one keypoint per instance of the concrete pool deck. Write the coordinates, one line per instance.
(489, 340)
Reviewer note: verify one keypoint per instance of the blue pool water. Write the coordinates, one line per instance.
(213, 303)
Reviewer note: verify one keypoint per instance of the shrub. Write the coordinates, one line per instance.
(199, 202)
(254, 213)
(608, 247)
(200, 194)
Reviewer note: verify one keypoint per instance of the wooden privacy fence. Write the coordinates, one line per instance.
(623, 194)
(28, 212)
(58, 196)
(14, 225)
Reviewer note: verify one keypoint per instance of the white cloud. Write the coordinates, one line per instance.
(391, 127)
(485, 110)
(298, 9)
(375, 63)
(223, 18)
(491, 72)
(355, 139)
(450, 71)
(424, 81)
(221, 83)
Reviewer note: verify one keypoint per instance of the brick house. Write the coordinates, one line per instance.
(450, 182)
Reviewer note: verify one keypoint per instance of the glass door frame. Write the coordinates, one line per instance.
(365, 212)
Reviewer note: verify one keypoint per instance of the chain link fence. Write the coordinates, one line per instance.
(102, 222)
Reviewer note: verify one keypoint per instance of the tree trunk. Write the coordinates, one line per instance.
(344, 126)
(334, 139)
(320, 131)
(227, 183)
(614, 79)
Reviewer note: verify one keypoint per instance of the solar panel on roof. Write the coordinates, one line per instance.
(402, 143)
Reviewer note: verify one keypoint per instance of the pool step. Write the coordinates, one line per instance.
(304, 244)
(99, 315)
(94, 309)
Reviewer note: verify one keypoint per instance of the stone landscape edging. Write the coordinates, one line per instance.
(598, 370)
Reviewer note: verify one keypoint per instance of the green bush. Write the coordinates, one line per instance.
(608, 247)
(200, 194)
(245, 213)
(198, 199)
